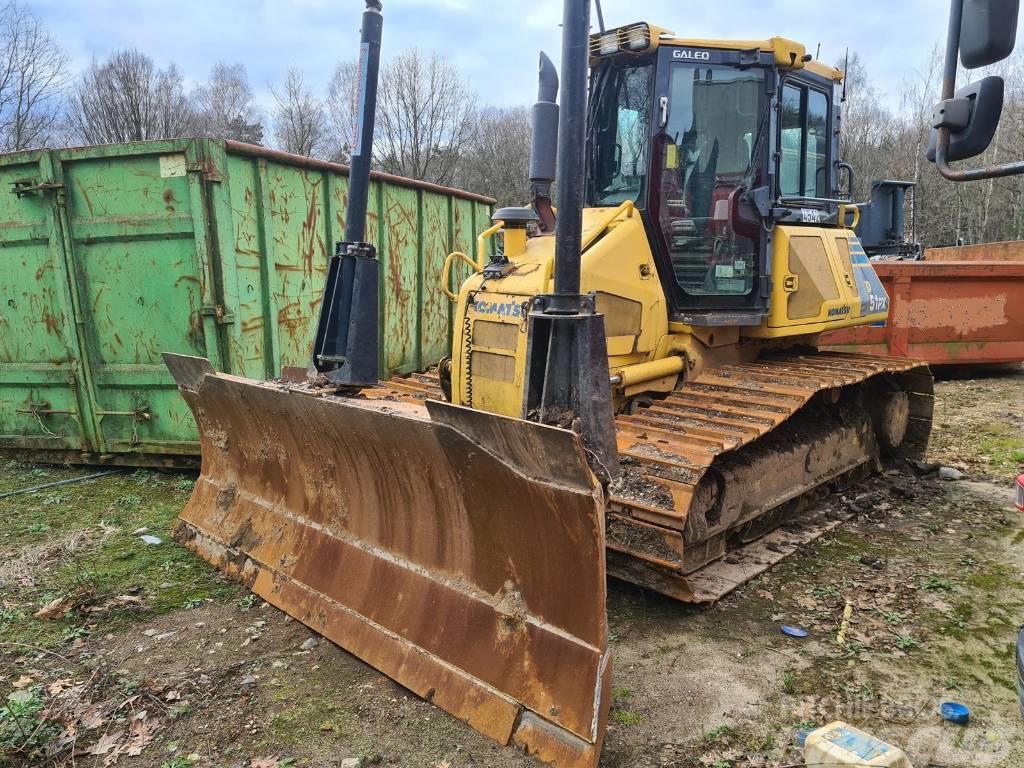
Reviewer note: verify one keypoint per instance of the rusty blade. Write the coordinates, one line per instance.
(458, 552)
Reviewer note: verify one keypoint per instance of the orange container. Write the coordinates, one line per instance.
(1011, 250)
(946, 313)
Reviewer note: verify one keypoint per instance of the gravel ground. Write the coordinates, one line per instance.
(149, 658)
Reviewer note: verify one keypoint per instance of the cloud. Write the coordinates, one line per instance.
(494, 43)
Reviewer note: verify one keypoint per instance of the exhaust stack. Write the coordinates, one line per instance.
(544, 144)
(346, 348)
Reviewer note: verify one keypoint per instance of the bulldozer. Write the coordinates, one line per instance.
(633, 389)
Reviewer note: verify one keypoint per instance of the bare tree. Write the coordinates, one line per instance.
(341, 109)
(33, 76)
(300, 119)
(225, 107)
(425, 117)
(128, 99)
(496, 160)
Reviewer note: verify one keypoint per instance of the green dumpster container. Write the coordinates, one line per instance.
(111, 255)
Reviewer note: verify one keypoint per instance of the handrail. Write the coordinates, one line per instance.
(597, 231)
(476, 266)
(447, 269)
(843, 209)
(481, 242)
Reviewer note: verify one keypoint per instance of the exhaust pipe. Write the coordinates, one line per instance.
(544, 144)
(346, 349)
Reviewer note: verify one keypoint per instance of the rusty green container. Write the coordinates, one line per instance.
(111, 255)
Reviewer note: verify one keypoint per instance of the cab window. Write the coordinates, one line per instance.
(620, 134)
(711, 151)
(804, 143)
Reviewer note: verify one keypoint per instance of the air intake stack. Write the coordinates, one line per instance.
(567, 353)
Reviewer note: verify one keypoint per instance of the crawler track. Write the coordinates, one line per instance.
(715, 475)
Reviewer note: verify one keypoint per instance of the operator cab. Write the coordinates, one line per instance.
(715, 142)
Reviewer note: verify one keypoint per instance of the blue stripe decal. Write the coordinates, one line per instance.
(873, 298)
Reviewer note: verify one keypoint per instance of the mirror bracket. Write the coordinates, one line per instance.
(954, 114)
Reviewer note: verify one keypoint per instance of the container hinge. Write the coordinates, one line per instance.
(23, 187)
(217, 312)
(207, 169)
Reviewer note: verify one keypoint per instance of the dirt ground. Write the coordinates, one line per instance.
(144, 656)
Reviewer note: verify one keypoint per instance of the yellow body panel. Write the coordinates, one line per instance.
(827, 278)
(619, 267)
(821, 280)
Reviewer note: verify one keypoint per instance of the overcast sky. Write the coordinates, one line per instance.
(494, 43)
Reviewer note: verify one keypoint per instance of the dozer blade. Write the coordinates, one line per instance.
(460, 553)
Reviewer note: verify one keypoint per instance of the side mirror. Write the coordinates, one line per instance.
(988, 31)
(972, 116)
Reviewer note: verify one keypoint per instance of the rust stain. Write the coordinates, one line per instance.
(310, 239)
(169, 199)
(963, 315)
(85, 196)
(51, 323)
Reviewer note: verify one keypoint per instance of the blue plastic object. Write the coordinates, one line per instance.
(954, 712)
(794, 631)
(801, 737)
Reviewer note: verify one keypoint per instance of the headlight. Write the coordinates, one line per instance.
(636, 38)
(608, 43)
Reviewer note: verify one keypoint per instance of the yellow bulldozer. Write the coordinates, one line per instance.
(633, 389)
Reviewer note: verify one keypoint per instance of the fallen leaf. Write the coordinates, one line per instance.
(61, 605)
(263, 762)
(24, 681)
(57, 687)
(92, 718)
(106, 743)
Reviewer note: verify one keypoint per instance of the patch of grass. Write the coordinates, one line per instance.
(789, 683)
(625, 717)
(621, 694)
(826, 591)
(761, 743)
(906, 641)
(247, 602)
(1002, 446)
(24, 733)
(88, 540)
(936, 583)
(722, 732)
(180, 710)
(892, 618)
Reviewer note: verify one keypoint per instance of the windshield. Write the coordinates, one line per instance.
(620, 133)
(714, 145)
